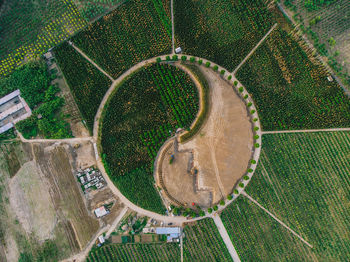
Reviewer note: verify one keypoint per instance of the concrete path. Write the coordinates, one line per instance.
(253, 50)
(274, 217)
(116, 221)
(225, 237)
(307, 131)
(92, 62)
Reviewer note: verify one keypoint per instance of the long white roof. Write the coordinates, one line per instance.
(8, 97)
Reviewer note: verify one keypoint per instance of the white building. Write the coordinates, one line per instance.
(101, 211)
(13, 109)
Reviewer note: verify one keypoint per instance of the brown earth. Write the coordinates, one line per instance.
(221, 150)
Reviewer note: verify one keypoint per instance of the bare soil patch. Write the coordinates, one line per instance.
(221, 150)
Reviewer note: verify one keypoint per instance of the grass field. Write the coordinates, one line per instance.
(87, 83)
(221, 31)
(144, 111)
(30, 28)
(136, 253)
(135, 31)
(303, 180)
(91, 9)
(203, 242)
(289, 90)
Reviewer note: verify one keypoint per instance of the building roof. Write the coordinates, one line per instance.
(8, 97)
(6, 127)
(101, 211)
(101, 239)
(168, 230)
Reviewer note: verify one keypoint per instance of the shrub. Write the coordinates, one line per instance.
(201, 213)
(249, 104)
(253, 161)
(215, 208)
(229, 197)
(256, 137)
(200, 61)
(207, 64)
(256, 128)
(215, 68)
(222, 202)
(229, 77)
(246, 177)
(167, 58)
(250, 170)
(240, 89)
(246, 97)
(210, 210)
(241, 185)
(252, 111)
(235, 192)
(158, 59)
(235, 83)
(256, 145)
(192, 59)
(183, 58)
(222, 72)
(175, 57)
(255, 119)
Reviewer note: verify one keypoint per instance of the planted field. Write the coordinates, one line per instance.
(87, 83)
(302, 179)
(145, 110)
(289, 90)
(203, 242)
(91, 9)
(136, 252)
(135, 31)
(30, 28)
(221, 31)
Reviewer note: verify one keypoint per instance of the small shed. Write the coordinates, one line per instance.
(101, 211)
(178, 50)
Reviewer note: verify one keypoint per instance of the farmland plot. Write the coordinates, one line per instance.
(91, 9)
(290, 90)
(86, 82)
(204, 243)
(135, 253)
(29, 28)
(258, 237)
(304, 180)
(144, 111)
(131, 33)
(221, 31)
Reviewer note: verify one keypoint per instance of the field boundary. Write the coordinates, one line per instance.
(275, 218)
(307, 131)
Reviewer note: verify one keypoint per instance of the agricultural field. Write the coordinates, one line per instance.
(303, 179)
(290, 90)
(203, 242)
(88, 85)
(327, 25)
(29, 28)
(145, 110)
(136, 252)
(133, 32)
(221, 31)
(90, 9)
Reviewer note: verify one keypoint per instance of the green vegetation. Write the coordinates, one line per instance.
(91, 9)
(47, 252)
(130, 34)
(296, 172)
(203, 242)
(221, 31)
(33, 80)
(294, 93)
(9, 134)
(135, 253)
(143, 112)
(256, 236)
(87, 83)
(204, 102)
(30, 28)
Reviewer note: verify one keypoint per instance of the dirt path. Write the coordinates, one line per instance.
(275, 218)
(225, 237)
(307, 131)
(68, 140)
(253, 50)
(116, 221)
(92, 62)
